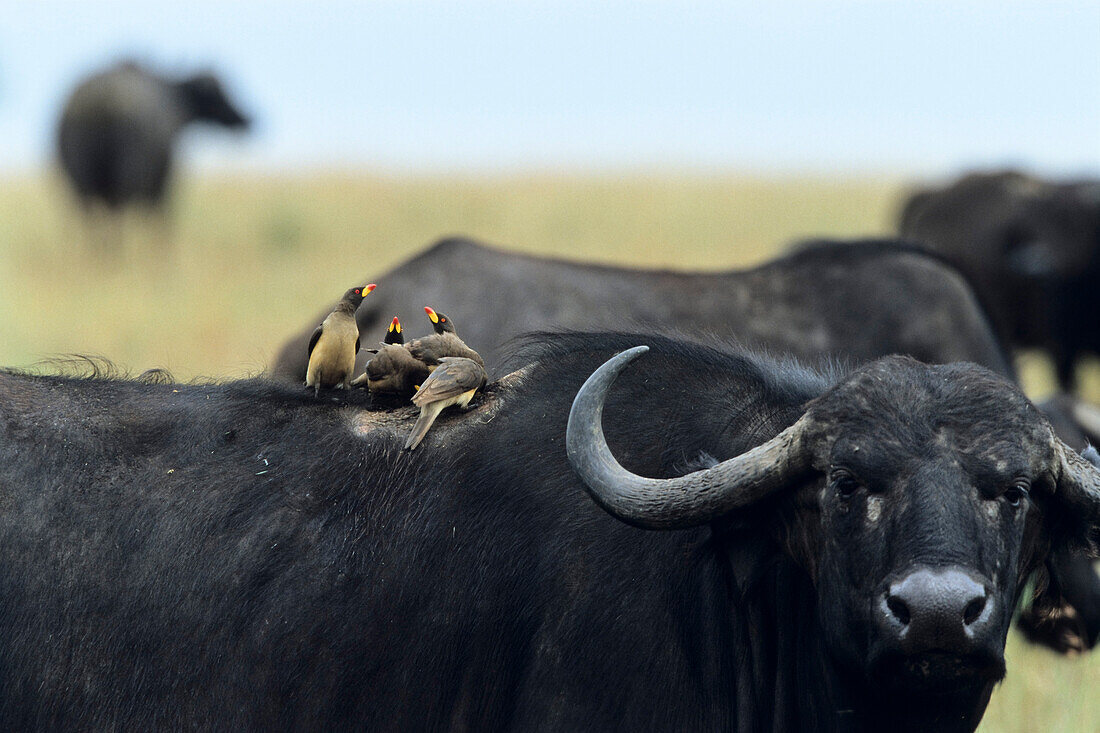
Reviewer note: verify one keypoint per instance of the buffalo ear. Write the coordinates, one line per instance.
(1073, 516)
(1064, 610)
(1091, 533)
(800, 514)
(790, 521)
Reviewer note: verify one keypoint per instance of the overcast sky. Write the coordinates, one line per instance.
(784, 86)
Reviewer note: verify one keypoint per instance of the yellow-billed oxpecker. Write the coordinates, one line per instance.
(393, 333)
(443, 343)
(333, 346)
(393, 370)
(453, 382)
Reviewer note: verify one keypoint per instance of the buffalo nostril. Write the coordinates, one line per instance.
(938, 609)
(973, 610)
(898, 608)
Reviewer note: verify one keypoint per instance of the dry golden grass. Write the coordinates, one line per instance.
(253, 259)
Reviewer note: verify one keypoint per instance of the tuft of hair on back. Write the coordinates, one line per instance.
(80, 366)
(156, 375)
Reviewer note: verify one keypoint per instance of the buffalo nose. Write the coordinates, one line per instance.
(936, 608)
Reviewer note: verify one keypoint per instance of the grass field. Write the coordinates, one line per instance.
(252, 260)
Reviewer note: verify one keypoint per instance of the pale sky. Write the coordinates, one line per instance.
(408, 86)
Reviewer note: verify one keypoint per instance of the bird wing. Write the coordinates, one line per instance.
(453, 377)
(416, 348)
(380, 365)
(313, 339)
(428, 349)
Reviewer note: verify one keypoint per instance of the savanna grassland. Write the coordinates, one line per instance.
(247, 262)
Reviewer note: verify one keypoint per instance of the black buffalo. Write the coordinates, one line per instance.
(1032, 250)
(858, 300)
(119, 127)
(242, 556)
(909, 501)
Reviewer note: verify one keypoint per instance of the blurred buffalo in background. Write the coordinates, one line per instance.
(118, 131)
(1031, 248)
(853, 300)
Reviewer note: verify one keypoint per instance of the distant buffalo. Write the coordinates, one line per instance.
(1031, 248)
(119, 128)
(855, 300)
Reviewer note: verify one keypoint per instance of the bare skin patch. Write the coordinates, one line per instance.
(400, 420)
(874, 509)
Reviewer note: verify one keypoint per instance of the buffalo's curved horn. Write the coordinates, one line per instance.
(674, 503)
(1079, 482)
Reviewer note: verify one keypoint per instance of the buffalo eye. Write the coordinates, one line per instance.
(1017, 492)
(844, 482)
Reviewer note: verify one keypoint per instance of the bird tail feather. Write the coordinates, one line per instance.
(428, 414)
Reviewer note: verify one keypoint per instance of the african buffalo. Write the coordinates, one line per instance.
(119, 128)
(243, 556)
(1032, 250)
(908, 502)
(857, 300)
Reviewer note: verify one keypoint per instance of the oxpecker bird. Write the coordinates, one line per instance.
(393, 333)
(334, 344)
(393, 370)
(443, 343)
(453, 382)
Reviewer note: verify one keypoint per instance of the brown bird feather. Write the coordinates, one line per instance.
(441, 344)
(395, 371)
(453, 382)
(334, 344)
(392, 370)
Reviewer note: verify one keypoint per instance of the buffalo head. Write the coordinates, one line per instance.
(205, 100)
(924, 496)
